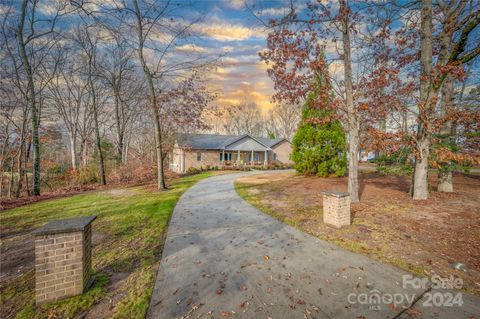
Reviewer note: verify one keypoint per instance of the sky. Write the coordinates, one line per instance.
(229, 28)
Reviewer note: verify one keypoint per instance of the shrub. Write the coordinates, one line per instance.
(133, 172)
(193, 171)
(397, 163)
(88, 174)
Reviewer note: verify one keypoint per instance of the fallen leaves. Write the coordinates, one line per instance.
(220, 288)
(227, 314)
(413, 313)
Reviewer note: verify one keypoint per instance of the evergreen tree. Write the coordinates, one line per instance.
(319, 145)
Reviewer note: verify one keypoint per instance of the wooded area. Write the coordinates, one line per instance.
(94, 92)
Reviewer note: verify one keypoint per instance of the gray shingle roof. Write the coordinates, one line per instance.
(216, 142)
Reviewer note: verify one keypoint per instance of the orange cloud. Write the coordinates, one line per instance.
(221, 30)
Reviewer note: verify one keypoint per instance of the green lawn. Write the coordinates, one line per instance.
(130, 232)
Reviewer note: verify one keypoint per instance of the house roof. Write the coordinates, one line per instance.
(217, 142)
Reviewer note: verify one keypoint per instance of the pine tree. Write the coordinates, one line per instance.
(319, 145)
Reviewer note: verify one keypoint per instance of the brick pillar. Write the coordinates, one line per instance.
(63, 259)
(336, 209)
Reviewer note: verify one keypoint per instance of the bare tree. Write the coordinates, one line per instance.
(117, 68)
(26, 38)
(69, 95)
(284, 118)
(88, 44)
(156, 36)
(244, 118)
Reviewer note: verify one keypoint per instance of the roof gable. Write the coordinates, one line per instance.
(246, 143)
(218, 142)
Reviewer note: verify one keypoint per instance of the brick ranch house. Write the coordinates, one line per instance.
(201, 150)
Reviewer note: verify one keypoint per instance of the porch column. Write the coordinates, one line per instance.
(265, 160)
(238, 157)
(223, 157)
(251, 158)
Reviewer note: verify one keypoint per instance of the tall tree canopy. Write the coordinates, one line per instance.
(319, 146)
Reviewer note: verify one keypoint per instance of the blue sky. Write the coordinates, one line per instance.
(229, 28)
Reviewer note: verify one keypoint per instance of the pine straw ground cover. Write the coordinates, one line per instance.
(128, 237)
(423, 237)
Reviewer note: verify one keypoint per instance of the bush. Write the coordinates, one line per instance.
(397, 163)
(193, 171)
(133, 173)
(395, 169)
(88, 174)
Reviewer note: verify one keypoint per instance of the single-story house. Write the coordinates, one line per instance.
(201, 150)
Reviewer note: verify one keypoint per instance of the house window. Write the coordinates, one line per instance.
(274, 156)
(199, 156)
(256, 157)
(227, 156)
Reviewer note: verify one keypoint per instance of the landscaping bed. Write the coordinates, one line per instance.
(128, 237)
(424, 237)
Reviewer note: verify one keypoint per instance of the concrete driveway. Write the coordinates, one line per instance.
(225, 259)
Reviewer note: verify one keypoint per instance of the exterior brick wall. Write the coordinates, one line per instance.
(336, 209)
(283, 151)
(211, 158)
(87, 256)
(63, 264)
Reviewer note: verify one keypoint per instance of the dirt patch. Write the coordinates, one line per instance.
(118, 192)
(424, 237)
(18, 254)
(105, 308)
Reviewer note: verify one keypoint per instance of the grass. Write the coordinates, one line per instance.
(131, 225)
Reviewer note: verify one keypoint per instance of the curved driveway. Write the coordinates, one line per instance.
(225, 259)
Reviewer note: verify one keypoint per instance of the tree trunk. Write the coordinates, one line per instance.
(125, 151)
(420, 180)
(25, 160)
(153, 99)
(19, 164)
(101, 162)
(84, 152)
(30, 101)
(353, 125)
(5, 146)
(98, 143)
(118, 120)
(10, 181)
(445, 183)
(73, 151)
(445, 179)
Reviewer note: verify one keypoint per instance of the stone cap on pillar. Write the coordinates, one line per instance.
(336, 194)
(65, 225)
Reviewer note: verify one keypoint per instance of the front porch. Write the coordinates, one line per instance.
(244, 158)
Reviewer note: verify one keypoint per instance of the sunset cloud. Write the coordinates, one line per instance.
(225, 31)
